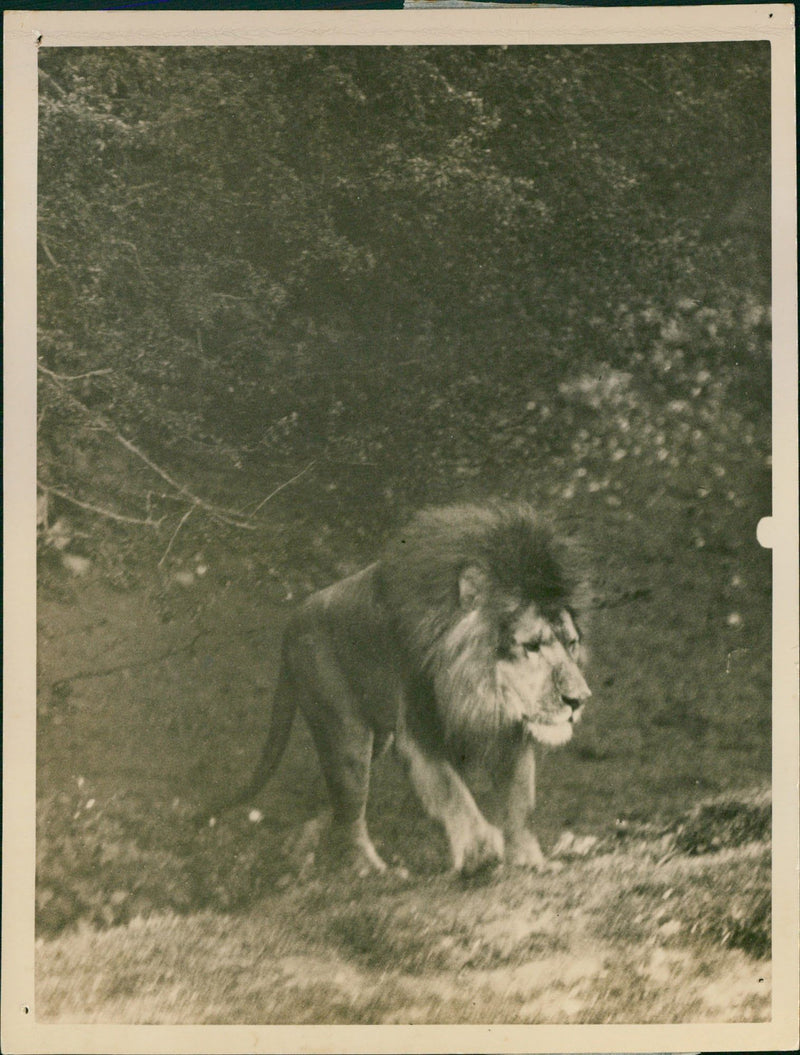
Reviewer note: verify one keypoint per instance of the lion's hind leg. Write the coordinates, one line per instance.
(344, 746)
(345, 756)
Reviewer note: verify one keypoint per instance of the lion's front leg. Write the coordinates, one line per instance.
(522, 846)
(474, 843)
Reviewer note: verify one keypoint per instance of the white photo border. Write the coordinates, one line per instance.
(24, 34)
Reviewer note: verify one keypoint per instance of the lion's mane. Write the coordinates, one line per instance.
(458, 649)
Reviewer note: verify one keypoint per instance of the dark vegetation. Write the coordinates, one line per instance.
(422, 272)
(287, 296)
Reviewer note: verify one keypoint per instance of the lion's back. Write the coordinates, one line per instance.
(346, 631)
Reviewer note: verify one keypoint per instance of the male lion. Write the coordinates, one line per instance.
(459, 643)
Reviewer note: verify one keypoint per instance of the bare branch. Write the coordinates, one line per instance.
(77, 377)
(279, 488)
(104, 672)
(182, 492)
(225, 516)
(47, 252)
(183, 520)
(109, 513)
(51, 80)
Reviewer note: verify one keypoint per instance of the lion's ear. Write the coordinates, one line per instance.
(473, 584)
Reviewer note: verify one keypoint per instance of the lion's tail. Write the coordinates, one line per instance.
(284, 708)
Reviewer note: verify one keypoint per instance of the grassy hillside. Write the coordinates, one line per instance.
(644, 931)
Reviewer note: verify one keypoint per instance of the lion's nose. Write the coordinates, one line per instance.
(572, 702)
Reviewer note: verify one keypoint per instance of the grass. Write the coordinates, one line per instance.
(614, 937)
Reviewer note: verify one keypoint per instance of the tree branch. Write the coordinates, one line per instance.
(277, 489)
(77, 377)
(109, 513)
(51, 80)
(226, 516)
(183, 520)
(47, 252)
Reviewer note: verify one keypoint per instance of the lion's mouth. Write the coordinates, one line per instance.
(554, 731)
(565, 716)
(551, 735)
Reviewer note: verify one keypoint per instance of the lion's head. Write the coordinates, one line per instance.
(483, 604)
(540, 676)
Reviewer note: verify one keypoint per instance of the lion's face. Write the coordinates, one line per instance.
(539, 677)
(497, 670)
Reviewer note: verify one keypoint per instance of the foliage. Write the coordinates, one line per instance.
(726, 821)
(83, 844)
(106, 862)
(252, 258)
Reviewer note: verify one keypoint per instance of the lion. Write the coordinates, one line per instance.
(460, 647)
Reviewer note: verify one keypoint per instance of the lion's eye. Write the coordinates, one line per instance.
(531, 646)
(572, 646)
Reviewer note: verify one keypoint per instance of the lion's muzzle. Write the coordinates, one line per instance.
(575, 708)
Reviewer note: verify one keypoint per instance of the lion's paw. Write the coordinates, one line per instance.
(523, 851)
(485, 851)
(301, 846)
(351, 844)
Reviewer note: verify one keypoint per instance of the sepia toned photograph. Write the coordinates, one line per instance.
(405, 527)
